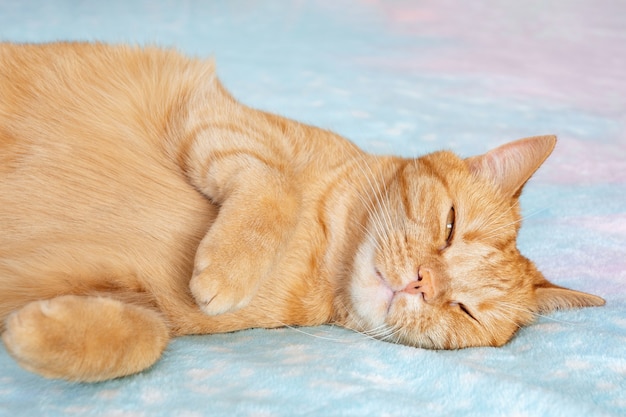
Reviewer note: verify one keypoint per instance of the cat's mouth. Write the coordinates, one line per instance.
(382, 279)
(390, 294)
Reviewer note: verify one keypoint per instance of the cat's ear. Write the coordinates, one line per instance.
(550, 297)
(511, 165)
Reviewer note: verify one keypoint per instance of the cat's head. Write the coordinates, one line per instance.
(439, 266)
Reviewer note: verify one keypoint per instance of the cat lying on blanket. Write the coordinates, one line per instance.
(139, 201)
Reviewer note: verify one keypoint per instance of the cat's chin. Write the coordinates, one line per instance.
(371, 299)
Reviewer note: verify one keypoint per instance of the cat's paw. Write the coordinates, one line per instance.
(217, 294)
(84, 338)
(30, 332)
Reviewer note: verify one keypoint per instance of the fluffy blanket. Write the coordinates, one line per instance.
(408, 78)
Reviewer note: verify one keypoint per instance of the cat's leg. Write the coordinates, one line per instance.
(257, 215)
(84, 338)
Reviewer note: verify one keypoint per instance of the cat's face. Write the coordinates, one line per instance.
(439, 266)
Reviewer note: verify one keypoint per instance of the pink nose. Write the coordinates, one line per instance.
(425, 284)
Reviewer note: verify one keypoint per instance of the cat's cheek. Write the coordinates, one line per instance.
(371, 302)
(369, 296)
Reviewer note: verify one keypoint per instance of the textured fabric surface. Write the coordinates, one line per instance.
(408, 78)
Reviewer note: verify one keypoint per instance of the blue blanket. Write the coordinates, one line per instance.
(408, 78)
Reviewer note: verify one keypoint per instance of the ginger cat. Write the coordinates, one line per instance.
(139, 201)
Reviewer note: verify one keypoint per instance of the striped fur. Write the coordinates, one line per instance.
(139, 201)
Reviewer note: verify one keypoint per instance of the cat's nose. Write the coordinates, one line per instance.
(425, 284)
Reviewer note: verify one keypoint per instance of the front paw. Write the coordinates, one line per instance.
(218, 295)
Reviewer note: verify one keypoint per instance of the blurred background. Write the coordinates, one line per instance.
(403, 76)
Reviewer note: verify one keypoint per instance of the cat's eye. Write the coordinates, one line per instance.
(450, 225)
(464, 309)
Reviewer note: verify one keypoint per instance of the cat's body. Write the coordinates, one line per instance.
(139, 201)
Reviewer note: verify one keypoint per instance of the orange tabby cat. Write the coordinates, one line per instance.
(139, 201)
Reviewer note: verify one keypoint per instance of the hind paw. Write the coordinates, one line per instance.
(84, 338)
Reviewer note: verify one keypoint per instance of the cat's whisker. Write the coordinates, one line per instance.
(376, 192)
(378, 226)
(382, 220)
(534, 213)
(489, 220)
(493, 232)
(383, 332)
(535, 314)
(301, 330)
(317, 336)
(378, 187)
(393, 335)
(380, 332)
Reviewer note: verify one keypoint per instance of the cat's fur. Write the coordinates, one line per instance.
(139, 201)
